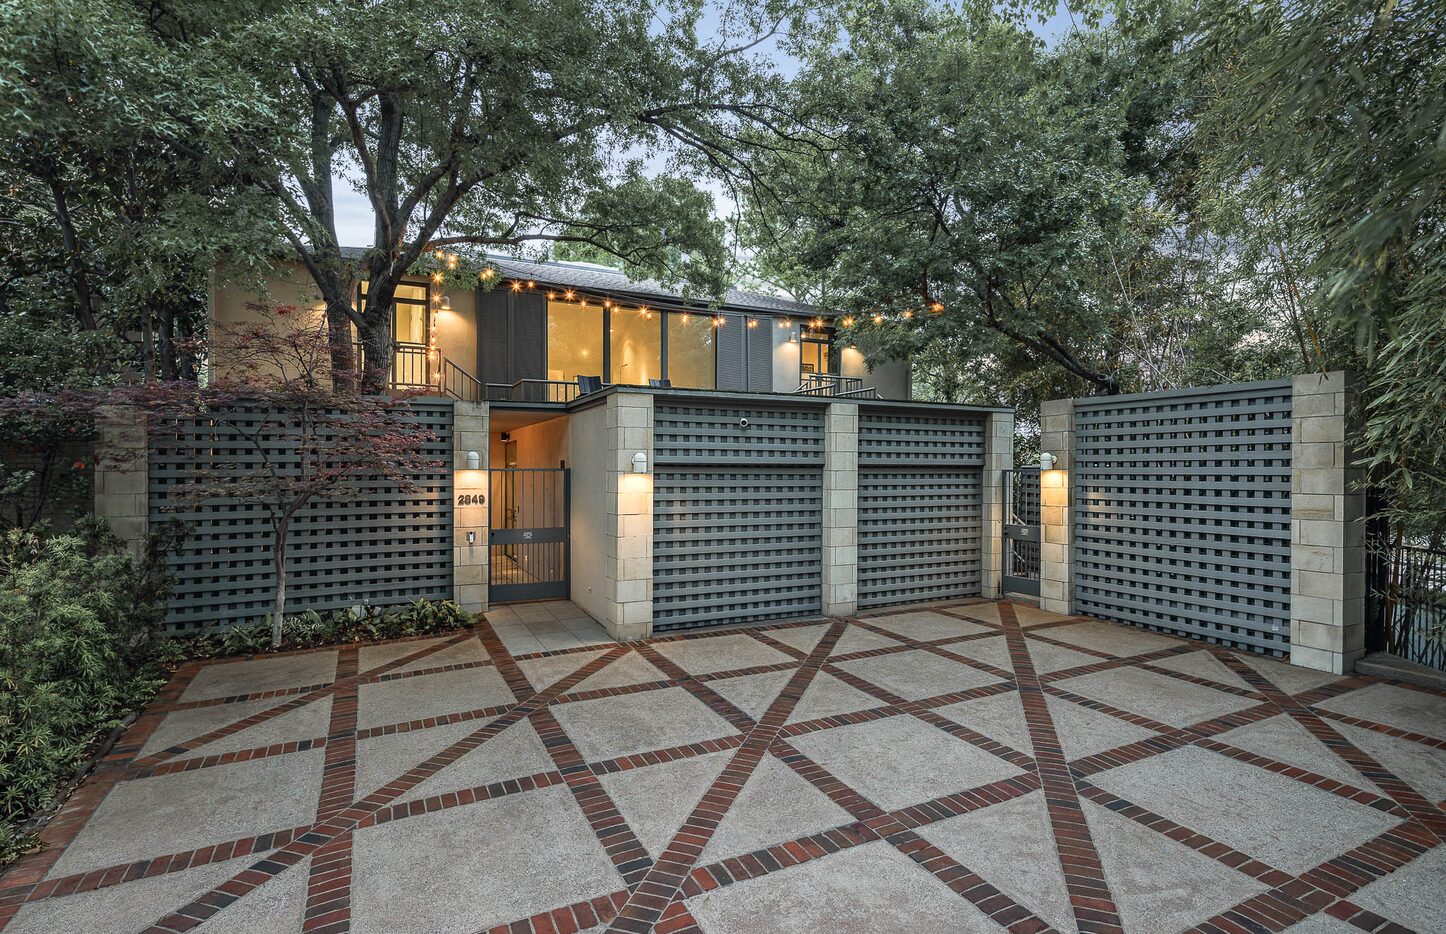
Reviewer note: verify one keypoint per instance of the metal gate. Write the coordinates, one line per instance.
(737, 514)
(527, 536)
(1021, 531)
(920, 505)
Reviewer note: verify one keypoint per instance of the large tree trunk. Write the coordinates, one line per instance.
(377, 345)
(344, 367)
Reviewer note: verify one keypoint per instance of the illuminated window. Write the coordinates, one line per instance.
(574, 340)
(635, 345)
(814, 353)
(691, 361)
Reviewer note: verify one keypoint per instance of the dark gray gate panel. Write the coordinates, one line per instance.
(728, 340)
(713, 434)
(736, 545)
(1182, 512)
(382, 547)
(920, 534)
(911, 438)
(920, 505)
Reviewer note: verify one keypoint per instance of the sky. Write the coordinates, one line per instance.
(355, 221)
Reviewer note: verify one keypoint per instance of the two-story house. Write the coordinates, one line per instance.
(663, 464)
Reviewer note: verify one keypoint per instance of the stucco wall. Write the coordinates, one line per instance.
(587, 432)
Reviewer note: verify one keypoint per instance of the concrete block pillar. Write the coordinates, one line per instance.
(630, 516)
(1056, 488)
(998, 460)
(470, 490)
(1327, 531)
(841, 510)
(122, 474)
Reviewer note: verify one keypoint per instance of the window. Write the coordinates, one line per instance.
(574, 340)
(409, 314)
(814, 352)
(691, 361)
(635, 344)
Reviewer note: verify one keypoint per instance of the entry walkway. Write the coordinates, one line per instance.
(974, 767)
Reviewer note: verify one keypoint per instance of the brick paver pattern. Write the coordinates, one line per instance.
(711, 785)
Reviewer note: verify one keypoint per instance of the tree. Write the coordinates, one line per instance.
(117, 179)
(963, 178)
(1326, 125)
(560, 121)
(309, 443)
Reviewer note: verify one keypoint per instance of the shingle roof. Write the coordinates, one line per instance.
(612, 281)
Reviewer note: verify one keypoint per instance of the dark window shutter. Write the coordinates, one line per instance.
(492, 337)
(529, 336)
(729, 341)
(760, 355)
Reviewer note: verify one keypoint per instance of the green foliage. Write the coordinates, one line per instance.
(312, 628)
(1015, 218)
(77, 618)
(1326, 133)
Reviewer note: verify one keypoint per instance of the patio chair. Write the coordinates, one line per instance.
(660, 383)
(588, 384)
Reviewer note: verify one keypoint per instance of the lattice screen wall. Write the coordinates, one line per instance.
(920, 505)
(737, 513)
(381, 546)
(1182, 512)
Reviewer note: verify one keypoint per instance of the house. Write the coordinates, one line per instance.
(662, 464)
(543, 325)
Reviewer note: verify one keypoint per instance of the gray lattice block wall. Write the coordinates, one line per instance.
(912, 438)
(712, 434)
(1181, 506)
(379, 546)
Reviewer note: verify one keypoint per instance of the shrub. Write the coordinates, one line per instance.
(77, 653)
(312, 628)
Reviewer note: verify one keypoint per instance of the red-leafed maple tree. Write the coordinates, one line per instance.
(307, 442)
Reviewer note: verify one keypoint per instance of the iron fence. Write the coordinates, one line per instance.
(1408, 602)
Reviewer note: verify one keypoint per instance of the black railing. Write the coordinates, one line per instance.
(1407, 602)
(533, 390)
(411, 365)
(459, 384)
(829, 384)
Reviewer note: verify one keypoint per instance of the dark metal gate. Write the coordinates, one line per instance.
(1021, 531)
(528, 534)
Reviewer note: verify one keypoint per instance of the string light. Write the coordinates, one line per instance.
(439, 254)
(488, 273)
(517, 286)
(753, 322)
(878, 319)
(685, 317)
(718, 321)
(551, 296)
(848, 322)
(785, 323)
(452, 261)
(818, 323)
(936, 307)
(908, 313)
(567, 295)
(531, 284)
(437, 277)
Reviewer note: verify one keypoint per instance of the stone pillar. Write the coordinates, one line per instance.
(630, 519)
(998, 460)
(841, 510)
(1056, 534)
(122, 474)
(1327, 534)
(470, 489)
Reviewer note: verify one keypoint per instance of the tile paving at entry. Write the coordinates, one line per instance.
(974, 766)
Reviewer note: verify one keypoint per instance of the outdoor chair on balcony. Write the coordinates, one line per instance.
(588, 384)
(660, 383)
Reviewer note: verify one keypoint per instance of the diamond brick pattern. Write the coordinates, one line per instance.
(969, 766)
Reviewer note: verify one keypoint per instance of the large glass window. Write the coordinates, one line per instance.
(574, 340)
(814, 353)
(635, 345)
(691, 360)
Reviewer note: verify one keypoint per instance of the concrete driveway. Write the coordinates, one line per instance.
(976, 767)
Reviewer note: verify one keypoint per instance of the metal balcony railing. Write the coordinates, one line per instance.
(829, 384)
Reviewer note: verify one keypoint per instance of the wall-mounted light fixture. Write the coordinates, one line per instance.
(640, 462)
(446, 303)
(1047, 461)
(474, 460)
(471, 538)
